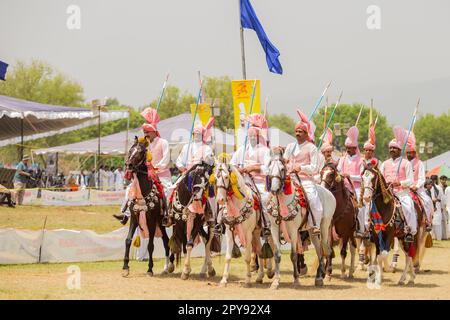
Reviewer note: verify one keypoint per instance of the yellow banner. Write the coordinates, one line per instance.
(242, 96)
(203, 112)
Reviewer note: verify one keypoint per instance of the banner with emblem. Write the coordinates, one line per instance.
(203, 112)
(242, 96)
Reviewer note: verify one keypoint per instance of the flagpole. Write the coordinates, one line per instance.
(244, 72)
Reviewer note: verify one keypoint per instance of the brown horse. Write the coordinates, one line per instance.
(344, 218)
(379, 195)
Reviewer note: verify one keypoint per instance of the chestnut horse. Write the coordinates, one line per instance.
(344, 218)
(379, 195)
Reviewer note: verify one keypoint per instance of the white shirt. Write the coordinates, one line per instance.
(195, 146)
(251, 151)
(293, 149)
(408, 171)
(118, 178)
(421, 178)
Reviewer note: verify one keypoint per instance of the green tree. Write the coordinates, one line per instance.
(436, 129)
(347, 114)
(219, 88)
(282, 122)
(173, 103)
(39, 82)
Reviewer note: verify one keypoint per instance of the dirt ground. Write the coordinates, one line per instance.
(103, 280)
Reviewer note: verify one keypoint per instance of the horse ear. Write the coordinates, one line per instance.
(136, 139)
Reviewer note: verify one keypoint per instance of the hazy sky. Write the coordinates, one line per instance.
(125, 48)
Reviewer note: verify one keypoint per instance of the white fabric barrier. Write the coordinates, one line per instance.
(62, 245)
(73, 198)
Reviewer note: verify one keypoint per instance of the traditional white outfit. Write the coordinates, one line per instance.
(405, 176)
(255, 155)
(306, 155)
(437, 214)
(327, 146)
(118, 180)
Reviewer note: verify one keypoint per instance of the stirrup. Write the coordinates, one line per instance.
(409, 238)
(315, 231)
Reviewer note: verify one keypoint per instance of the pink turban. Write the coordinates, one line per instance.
(371, 143)
(411, 144)
(305, 125)
(352, 137)
(205, 130)
(151, 116)
(258, 126)
(327, 144)
(399, 139)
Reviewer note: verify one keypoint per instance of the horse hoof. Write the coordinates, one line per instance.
(125, 273)
(274, 286)
(296, 284)
(411, 283)
(171, 268)
(259, 280)
(343, 275)
(318, 282)
(212, 272)
(350, 276)
(150, 273)
(253, 268)
(164, 272)
(304, 271)
(247, 285)
(184, 276)
(202, 275)
(401, 283)
(270, 274)
(328, 278)
(222, 284)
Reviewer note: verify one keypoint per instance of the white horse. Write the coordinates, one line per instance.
(236, 209)
(293, 220)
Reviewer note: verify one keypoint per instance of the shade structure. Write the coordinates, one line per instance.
(32, 120)
(176, 130)
(439, 171)
(439, 160)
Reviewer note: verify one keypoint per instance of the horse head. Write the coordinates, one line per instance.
(370, 181)
(197, 179)
(277, 173)
(329, 176)
(137, 154)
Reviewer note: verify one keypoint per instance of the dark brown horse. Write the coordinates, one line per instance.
(344, 218)
(376, 192)
(152, 204)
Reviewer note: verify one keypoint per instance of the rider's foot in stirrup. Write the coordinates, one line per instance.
(429, 227)
(266, 232)
(315, 231)
(409, 238)
(166, 221)
(359, 234)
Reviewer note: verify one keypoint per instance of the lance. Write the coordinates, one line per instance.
(266, 117)
(331, 118)
(325, 114)
(248, 124)
(193, 122)
(371, 113)
(359, 115)
(413, 120)
(320, 100)
(162, 92)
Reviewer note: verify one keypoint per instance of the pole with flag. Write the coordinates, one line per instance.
(3, 68)
(329, 120)
(411, 125)
(193, 122)
(249, 20)
(248, 124)
(162, 92)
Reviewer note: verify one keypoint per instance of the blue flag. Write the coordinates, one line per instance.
(249, 20)
(3, 67)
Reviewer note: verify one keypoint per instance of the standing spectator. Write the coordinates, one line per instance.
(20, 180)
(445, 207)
(111, 179)
(5, 196)
(104, 179)
(437, 215)
(118, 179)
(91, 179)
(439, 193)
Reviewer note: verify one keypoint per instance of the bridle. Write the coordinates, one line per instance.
(220, 171)
(277, 163)
(334, 174)
(135, 152)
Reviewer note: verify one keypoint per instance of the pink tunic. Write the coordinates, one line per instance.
(302, 155)
(352, 167)
(157, 151)
(390, 172)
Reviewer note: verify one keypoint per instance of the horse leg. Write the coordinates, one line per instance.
(361, 252)
(256, 243)
(151, 228)
(343, 244)
(128, 240)
(402, 280)
(396, 255)
(320, 268)
(293, 234)
(277, 254)
(207, 264)
(352, 258)
(248, 254)
(226, 271)
(168, 265)
(190, 245)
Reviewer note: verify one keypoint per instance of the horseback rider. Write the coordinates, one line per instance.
(160, 157)
(350, 168)
(199, 151)
(302, 161)
(401, 181)
(326, 153)
(419, 179)
(255, 160)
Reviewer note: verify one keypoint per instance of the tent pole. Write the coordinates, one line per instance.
(98, 150)
(21, 138)
(126, 137)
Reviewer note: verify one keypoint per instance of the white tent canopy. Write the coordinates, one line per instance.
(176, 130)
(442, 159)
(32, 120)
